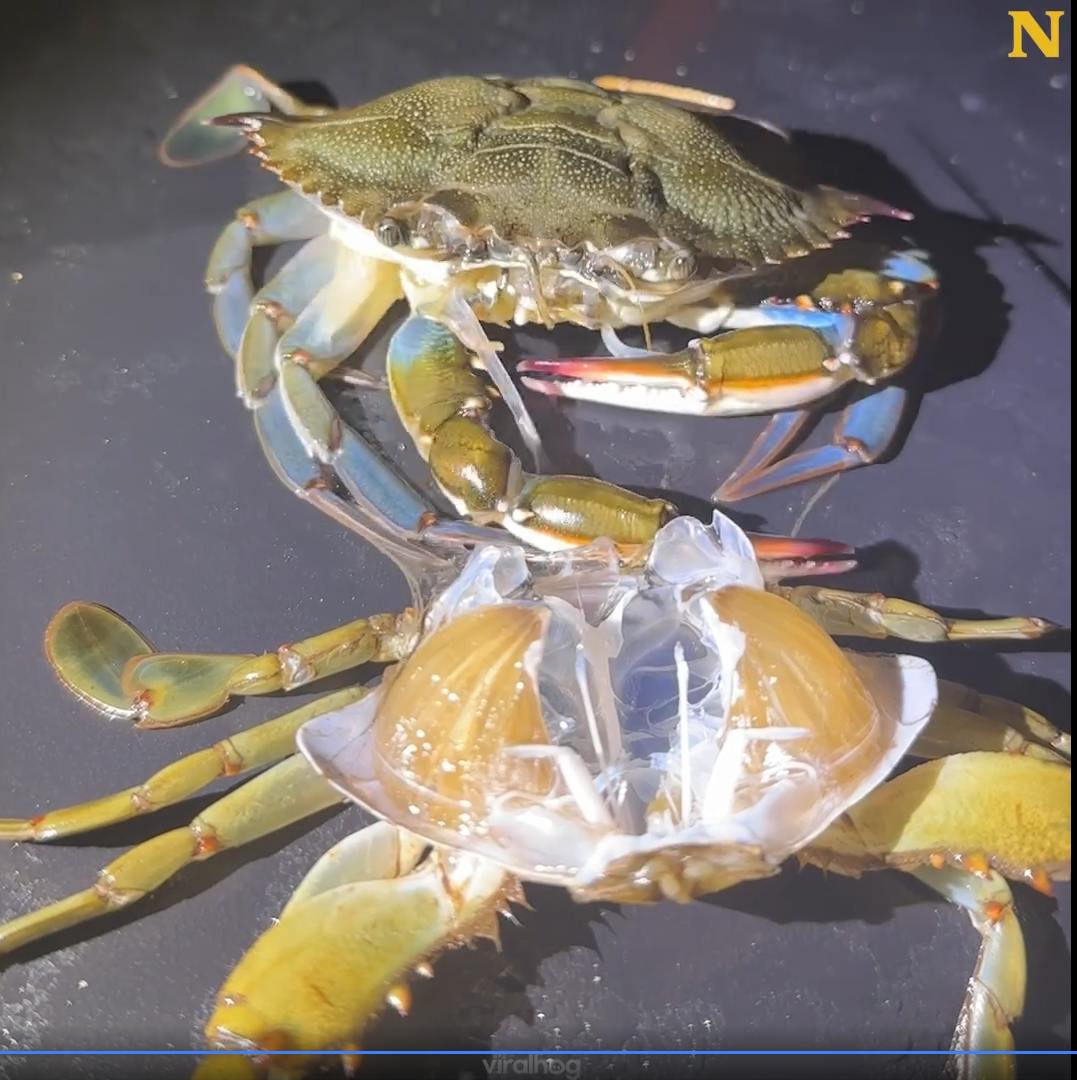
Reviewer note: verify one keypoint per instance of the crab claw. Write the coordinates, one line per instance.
(788, 556)
(659, 382)
(752, 370)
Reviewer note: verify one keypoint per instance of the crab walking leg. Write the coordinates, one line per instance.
(995, 998)
(367, 916)
(873, 615)
(274, 309)
(174, 688)
(1025, 721)
(274, 219)
(388, 499)
(781, 430)
(964, 721)
(368, 516)
(958, 823)
(386, 510)
(253, 748)
(329, 330)
(282, 795)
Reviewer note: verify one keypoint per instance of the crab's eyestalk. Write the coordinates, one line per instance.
(194, 139)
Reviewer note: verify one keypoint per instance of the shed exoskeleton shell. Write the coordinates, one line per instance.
(652, 738)
(631, 732)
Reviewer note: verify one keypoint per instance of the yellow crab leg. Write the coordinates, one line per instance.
(996, 992)
(367, 916)
(282, 795)
(965, 720)
(105, 662)
(243, 752)
(979, 811)
(958, 823)
(873, 615)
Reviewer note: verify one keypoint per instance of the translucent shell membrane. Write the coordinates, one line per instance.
(627, 734)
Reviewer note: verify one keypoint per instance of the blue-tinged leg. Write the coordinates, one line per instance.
(780, 431)
(381, 496)
(386, 510)
(275, 219)
(863, 434)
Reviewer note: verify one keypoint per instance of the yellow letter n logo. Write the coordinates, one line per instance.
(1024, 23)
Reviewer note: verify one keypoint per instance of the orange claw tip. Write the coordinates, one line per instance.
(791, 547)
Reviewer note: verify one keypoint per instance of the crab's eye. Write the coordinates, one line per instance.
(476, 250)
(600, 268)
(682, 266)
(391, 233)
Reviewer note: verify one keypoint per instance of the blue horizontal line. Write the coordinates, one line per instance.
(539, 1053)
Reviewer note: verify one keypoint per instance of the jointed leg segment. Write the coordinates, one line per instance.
(873, 615)
(284, 794)
(243, 752)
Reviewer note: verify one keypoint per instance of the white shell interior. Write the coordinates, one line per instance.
(636, 677)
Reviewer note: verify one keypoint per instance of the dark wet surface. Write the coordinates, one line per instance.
(131, 476)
